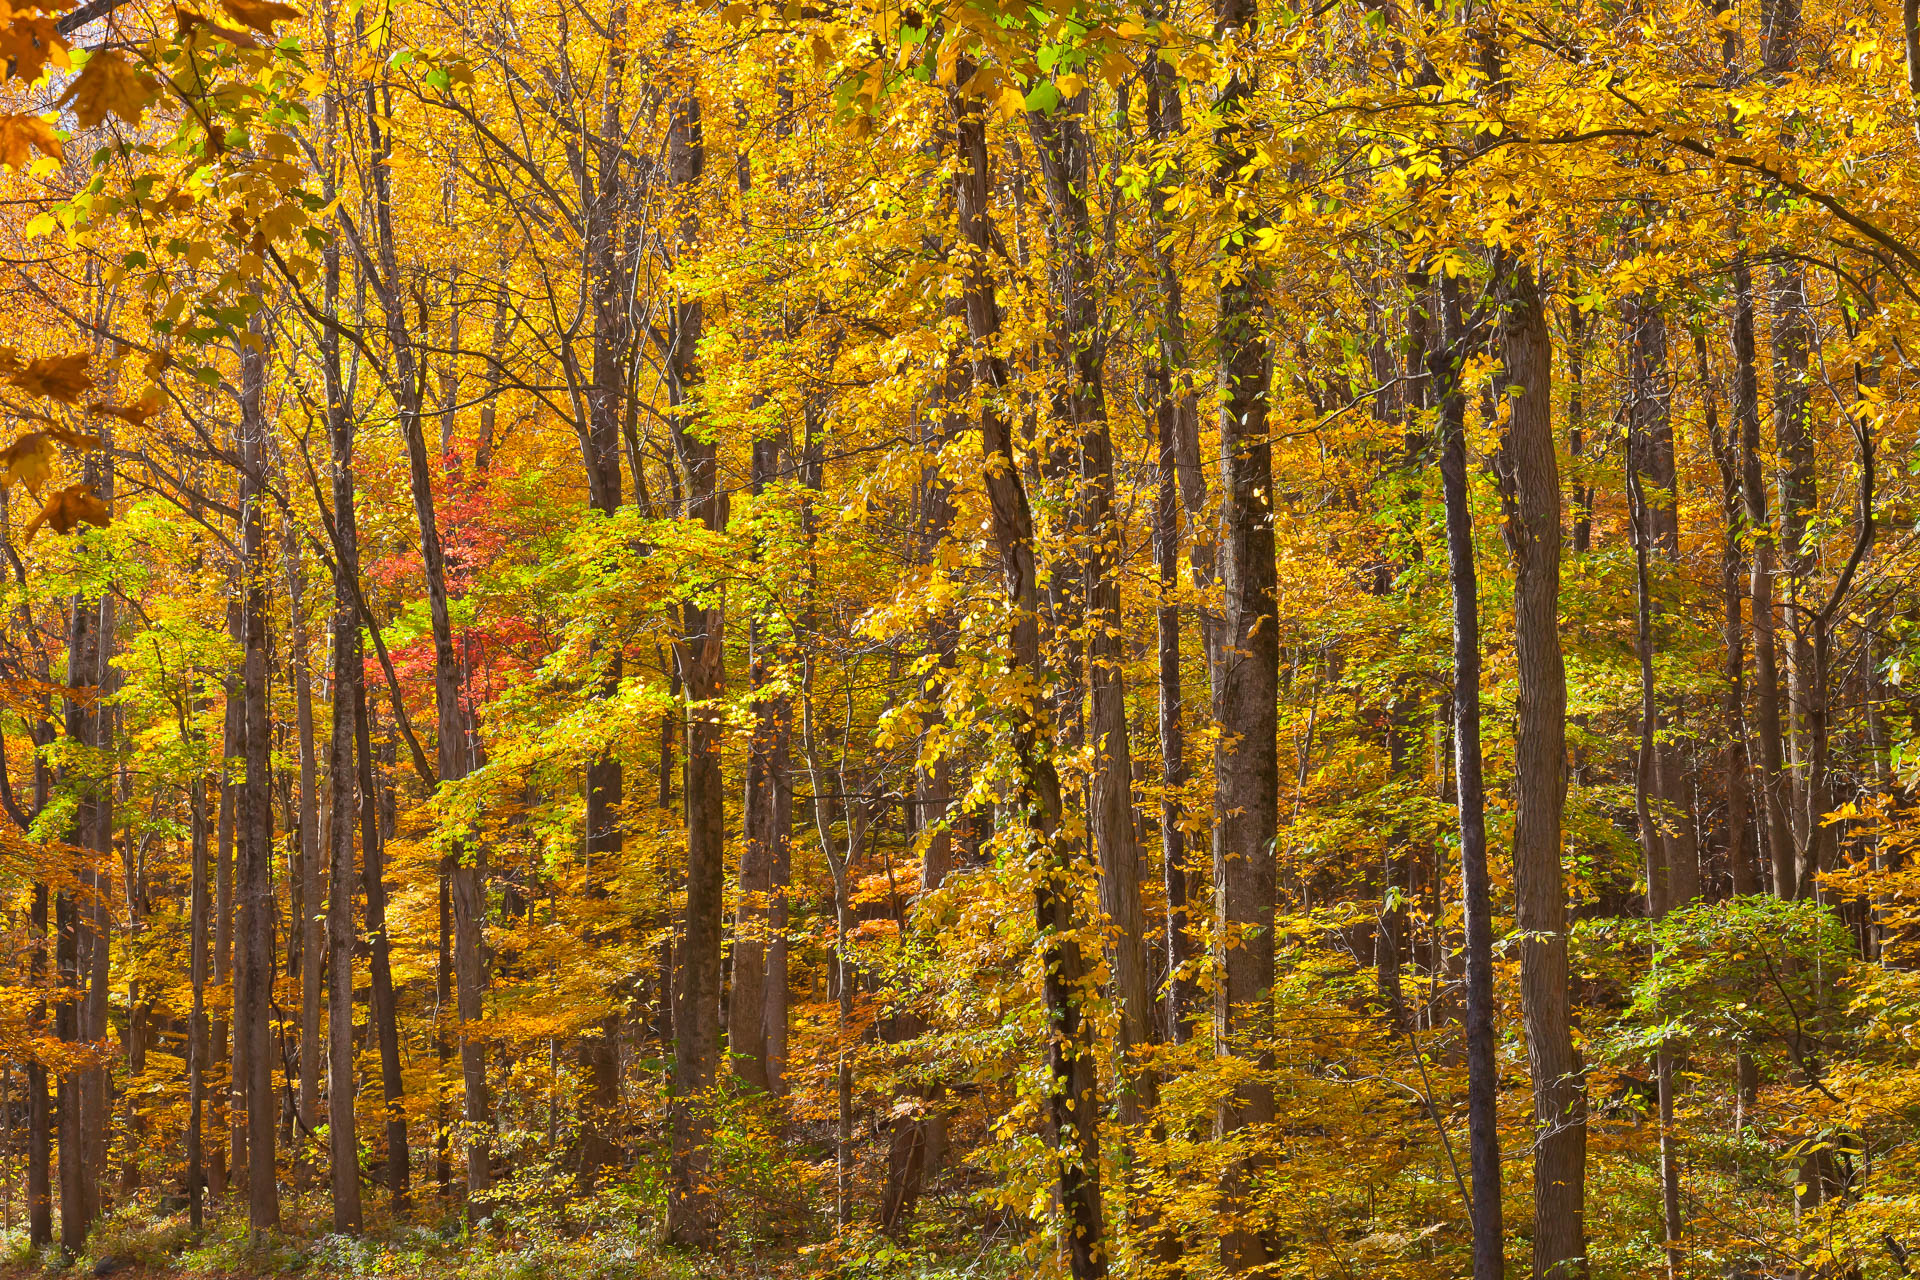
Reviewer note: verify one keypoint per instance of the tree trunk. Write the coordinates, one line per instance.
(767, 798)
(1035, 805)
(311, 923)
(253, 821)
(1740, 866)
(1766, 674)
(1482, 1070)
(1064, 152)
(1531, 485)
(1246, 762)
(692, 1206)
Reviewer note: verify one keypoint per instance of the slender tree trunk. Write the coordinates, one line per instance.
(1740, 866)
(1072, 1091)
(311, 923)
(768, 766)
(1061, 143)
(1482, 1078)
(39, 1103)
(349, 695)
(1531, 482)
(253, 820)
(1654, 843)
(1766, 674)
(1246, 762)
(692, 1207)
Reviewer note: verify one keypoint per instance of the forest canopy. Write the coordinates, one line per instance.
(1163, 639)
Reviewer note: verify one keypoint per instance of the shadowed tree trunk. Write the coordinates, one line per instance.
(1531, 487)
(1444, 367)
(1072, 1106)
(692, 1205)
(253, 820)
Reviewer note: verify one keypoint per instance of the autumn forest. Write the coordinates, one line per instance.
(1157, 638)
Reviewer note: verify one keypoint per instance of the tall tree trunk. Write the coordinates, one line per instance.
(768, 797)
(39, 1103)
(466, 882)
(1531, 484)
(1483, 1084)
(1176, 429)
(1654, 843)
(1778, 838)
(692, 1207)
(1064, 151)
(1072, 1090)
(1792, 334)
(1246, 762)
(1740, 866)
(311, 923)
(349, 695)
(253, 819)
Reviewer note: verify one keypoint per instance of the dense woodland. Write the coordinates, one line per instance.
(961, 639)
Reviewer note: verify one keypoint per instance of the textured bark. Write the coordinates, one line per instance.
(1072, 1107)
(381, 1010)
(253, 821)
(692, 1205)
(1772, 779)
(1176, 429)
(39, 1101)
(1531, 485)
(768, 825)
(605, 200)
(1470, 795)
(1246, 762)
(313, 953)
(1654, 844)
(80, 945)
(466, 884)
(1740, 865)
(1064, 152)
(1792, 337)
(349, 676)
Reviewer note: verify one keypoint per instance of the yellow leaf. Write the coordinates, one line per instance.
(63, 378)
(31, 43)
(75, 505)
(20, 135)
(28, 461)
(109, 84)
(259, 14)
(132, 414)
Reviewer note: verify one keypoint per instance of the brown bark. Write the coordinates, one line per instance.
(1035, 804)
(1772, 779)
(349, 696)
(1246, 762)
(253, 821)
(692, 1206)
(1444, 365)
(768, 824)
(1531, 487)
(312, 938)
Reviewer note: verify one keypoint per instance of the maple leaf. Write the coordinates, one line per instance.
(259, 14)
(63, 378)
(71, 439)
(188, 22)
(31, 43)
(132, 414)
(109, 83)
(28, 460)
(19, 135)
(75, 505)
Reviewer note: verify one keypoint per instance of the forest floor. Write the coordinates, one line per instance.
(137, 1243)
